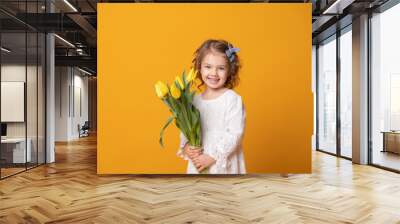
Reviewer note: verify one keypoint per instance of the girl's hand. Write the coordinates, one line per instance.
(192, 152)
(203, 161)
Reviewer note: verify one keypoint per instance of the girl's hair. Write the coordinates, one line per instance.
(218, 46)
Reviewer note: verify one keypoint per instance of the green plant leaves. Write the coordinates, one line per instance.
(185, 114)
(170, 119)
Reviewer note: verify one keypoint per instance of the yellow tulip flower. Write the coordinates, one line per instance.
(180, 82)
(161, 89)
(175, 92)
(191, 75)
(158, 91)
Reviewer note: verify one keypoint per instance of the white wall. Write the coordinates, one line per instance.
(314, 91)
(81, 102)
(92, 91)
(71, 102)
(62, 78)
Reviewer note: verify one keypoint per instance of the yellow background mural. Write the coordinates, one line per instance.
(139, 44)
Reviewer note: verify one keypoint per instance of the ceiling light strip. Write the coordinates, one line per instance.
(5, 49)
(64, 40)
(326, 11)
(71, 6)
(86, 72)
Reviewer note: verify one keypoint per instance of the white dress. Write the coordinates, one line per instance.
(222, 127)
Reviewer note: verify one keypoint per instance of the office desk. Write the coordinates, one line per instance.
(391, 141)
(15, 148)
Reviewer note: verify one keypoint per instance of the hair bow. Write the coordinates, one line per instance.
(231, 52)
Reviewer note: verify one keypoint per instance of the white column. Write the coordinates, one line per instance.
(360, 90)
(50, 100)
(50, 92)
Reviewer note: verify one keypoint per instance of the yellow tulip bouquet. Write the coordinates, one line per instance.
(178, 98)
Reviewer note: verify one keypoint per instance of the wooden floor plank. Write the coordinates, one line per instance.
(70, 191)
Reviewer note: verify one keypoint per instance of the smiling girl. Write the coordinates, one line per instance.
(221, 109)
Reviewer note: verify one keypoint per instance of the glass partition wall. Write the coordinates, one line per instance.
(22, 88)
(13, 109)
(334, 93)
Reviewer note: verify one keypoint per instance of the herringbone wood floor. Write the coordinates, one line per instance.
(69, 191)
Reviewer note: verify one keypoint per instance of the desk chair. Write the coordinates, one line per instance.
(84, 130)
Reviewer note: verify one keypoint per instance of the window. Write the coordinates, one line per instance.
(327, 95)
(385, 88)
(346, 93)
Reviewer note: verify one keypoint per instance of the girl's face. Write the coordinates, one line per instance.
(214, 70)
